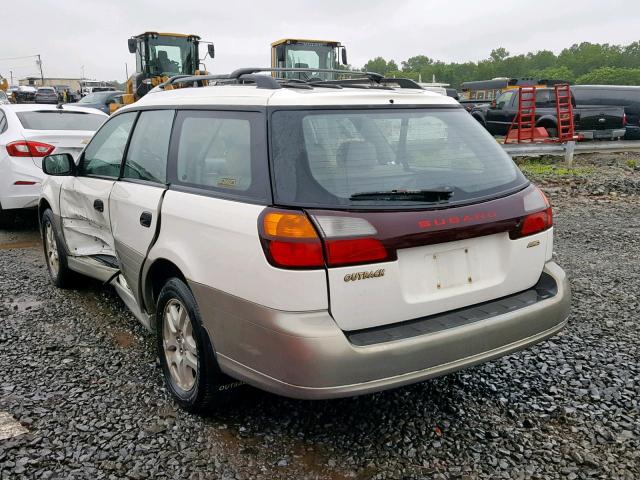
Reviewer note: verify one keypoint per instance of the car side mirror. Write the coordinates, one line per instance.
(59, 165)
(132, 43)
(211, 50)
(344, 56)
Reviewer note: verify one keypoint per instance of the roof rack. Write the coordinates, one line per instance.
(251, 75)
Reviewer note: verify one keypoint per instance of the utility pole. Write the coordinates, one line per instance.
(41, 74)
(11, 77)
(126, 72)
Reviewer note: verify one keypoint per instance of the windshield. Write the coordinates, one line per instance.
(60, 120)
(171, 55)
(310, 55)
(390, 157)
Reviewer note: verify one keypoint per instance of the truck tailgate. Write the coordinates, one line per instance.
(598, 117)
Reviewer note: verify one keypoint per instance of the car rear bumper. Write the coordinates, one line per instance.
(305, 355)
(595, 134)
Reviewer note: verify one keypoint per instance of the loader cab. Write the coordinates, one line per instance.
(300, 53)
(160, 56)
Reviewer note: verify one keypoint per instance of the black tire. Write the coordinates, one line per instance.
(208, 379)
(551, 131)
(61, 277)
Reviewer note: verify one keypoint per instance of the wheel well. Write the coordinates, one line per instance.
(42, 206)
(547, 123)
(161, 270)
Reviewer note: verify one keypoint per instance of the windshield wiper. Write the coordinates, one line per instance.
(433, 195)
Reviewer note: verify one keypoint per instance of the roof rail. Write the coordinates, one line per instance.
(243, 75)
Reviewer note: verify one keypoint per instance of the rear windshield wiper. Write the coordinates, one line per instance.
(434, 195)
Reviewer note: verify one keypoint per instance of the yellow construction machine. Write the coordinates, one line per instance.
(312, 54)
(160, 56)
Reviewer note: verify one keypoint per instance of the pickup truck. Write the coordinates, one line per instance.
(591, 121)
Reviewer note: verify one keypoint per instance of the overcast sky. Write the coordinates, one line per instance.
(72, 33)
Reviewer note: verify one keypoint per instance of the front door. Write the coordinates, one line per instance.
(136, 199)
(84, 201)
(499, 117)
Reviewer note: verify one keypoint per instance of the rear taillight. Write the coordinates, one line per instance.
(624, 120)
(29, 149)
(535, 222)
(291, 240)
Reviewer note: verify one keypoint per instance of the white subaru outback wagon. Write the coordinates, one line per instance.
(312, 238)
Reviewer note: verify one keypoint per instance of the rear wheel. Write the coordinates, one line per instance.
(54, 253)
(190, 370)
(552, 131)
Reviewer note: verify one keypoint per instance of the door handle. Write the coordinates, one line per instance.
(145, 219)
(98, 205)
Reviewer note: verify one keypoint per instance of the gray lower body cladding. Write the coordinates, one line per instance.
(306, 355)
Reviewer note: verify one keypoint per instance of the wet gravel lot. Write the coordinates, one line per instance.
(80, 375)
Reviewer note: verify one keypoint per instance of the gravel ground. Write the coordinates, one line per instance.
(81, 376)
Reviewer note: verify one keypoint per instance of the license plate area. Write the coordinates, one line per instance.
(453, 268)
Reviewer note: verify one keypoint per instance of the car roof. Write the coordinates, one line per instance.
(34, 107)
(250, 95)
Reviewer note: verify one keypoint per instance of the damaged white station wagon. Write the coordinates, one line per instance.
(313, 238)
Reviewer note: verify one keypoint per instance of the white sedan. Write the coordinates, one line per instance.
(30, 132)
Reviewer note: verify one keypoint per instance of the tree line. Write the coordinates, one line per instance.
(584, 63)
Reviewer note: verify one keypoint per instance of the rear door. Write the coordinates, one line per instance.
(135, 199)
(84, 202)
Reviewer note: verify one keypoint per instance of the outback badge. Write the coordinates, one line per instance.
(352, 277)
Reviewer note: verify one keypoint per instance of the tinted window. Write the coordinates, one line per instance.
(3, 122)
(61, 120)
(149, 147)
(103, 155)
(324, 158)
(222, 151)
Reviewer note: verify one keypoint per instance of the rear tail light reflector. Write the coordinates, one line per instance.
(29, 148)
(537, 221)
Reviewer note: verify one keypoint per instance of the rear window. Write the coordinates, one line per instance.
(345, 158)
(60, 120)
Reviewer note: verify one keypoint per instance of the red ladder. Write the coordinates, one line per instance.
(525, 120)
(564, 113)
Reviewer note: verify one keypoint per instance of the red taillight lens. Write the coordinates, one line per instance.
(352, 251)
(536, 222)
(296, 254)
(29, 149)
(624, 120)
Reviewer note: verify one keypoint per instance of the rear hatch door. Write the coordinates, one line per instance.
(439, 261)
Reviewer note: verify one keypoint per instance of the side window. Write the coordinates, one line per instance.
(222, 151)
(103, 155)
(504, 100)
(3, 122)
(149, 147)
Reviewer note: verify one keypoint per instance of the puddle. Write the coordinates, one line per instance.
(9, 427)
(123, 339)
(20, 245)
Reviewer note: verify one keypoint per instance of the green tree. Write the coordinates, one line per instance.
(610, 76)
(381, 66)
(416, 64)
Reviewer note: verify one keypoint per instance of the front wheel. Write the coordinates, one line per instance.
(190, 370)
(55, 256)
